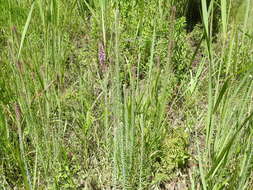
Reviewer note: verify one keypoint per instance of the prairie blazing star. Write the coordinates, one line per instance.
(101, 55)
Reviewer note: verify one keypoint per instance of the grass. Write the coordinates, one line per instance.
(120, 95)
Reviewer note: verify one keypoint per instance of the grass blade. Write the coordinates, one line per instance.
(25, 30)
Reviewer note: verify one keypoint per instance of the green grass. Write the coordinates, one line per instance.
(99, 94)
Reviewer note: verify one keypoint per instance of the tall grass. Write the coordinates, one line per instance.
(229, 116)
(100, 94)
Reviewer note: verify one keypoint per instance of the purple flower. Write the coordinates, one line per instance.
(101, 55)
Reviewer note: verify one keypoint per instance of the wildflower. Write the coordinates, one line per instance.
(101, 55)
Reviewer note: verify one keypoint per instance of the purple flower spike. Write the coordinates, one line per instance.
(101, 55)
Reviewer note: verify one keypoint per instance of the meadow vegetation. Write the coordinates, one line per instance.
(140, 94)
